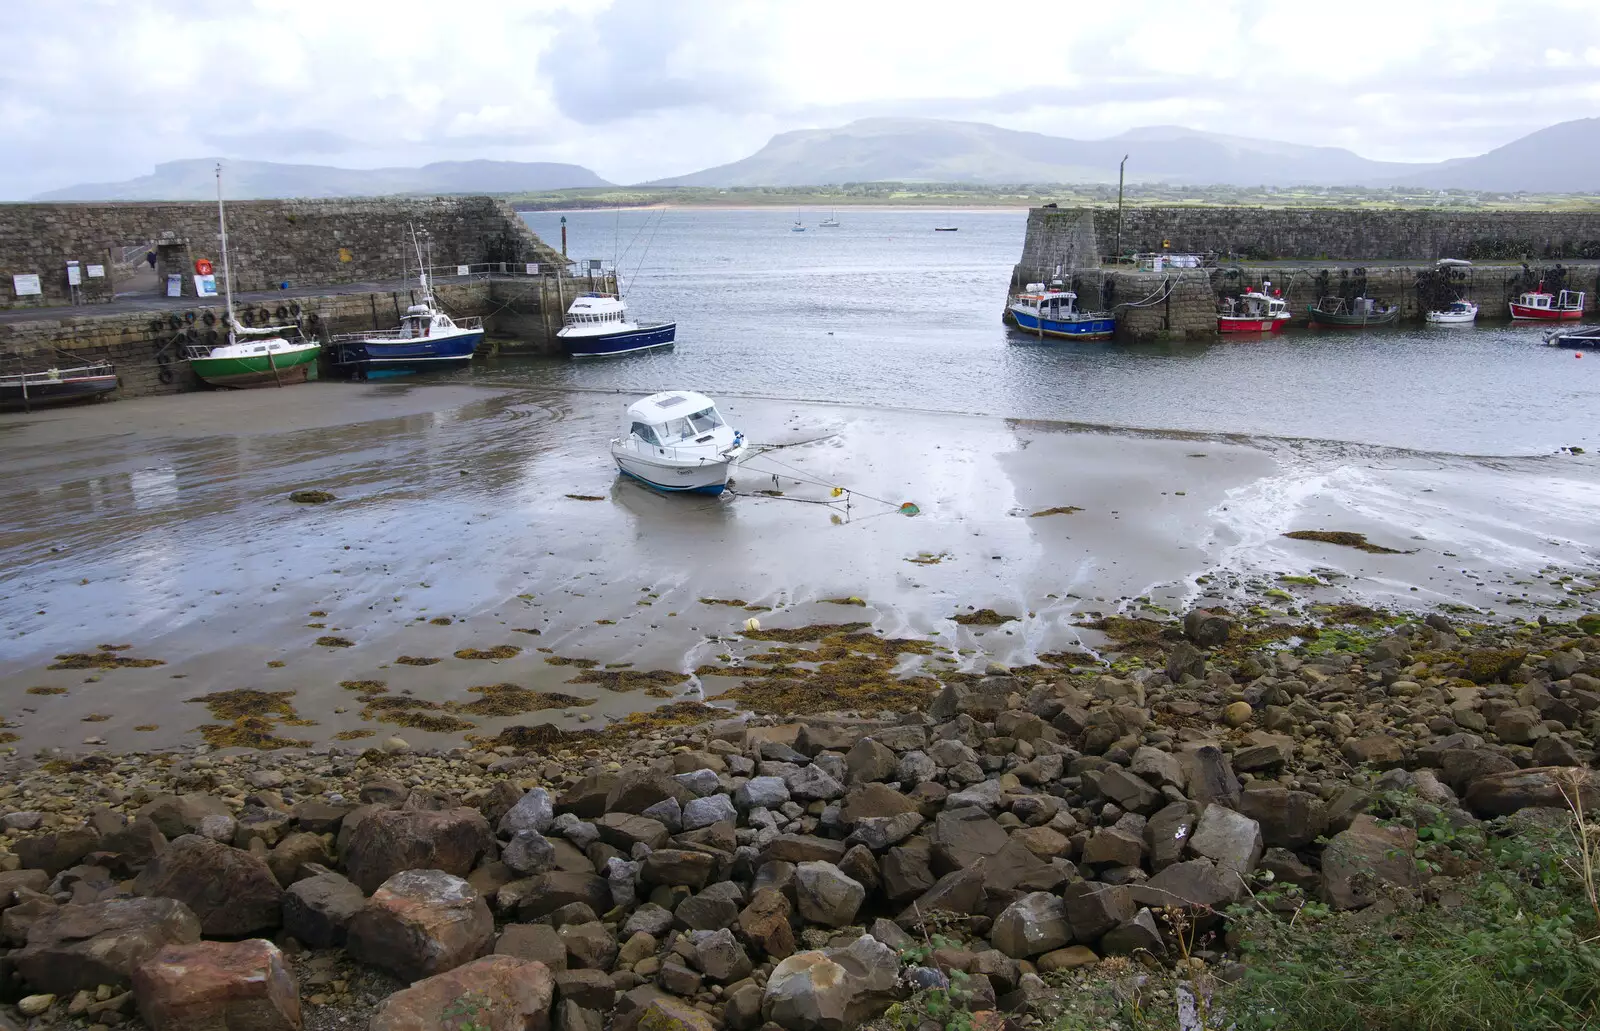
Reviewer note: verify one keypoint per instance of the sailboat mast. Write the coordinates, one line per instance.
(222, 235)
(422, 270)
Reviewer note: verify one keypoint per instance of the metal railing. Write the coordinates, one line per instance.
(589, 268)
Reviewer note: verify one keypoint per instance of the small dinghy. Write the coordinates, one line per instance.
(1585, 337)
(677, 442)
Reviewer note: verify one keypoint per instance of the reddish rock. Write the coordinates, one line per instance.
(221, 985)
(420, 923)
(499, 992)
(388, 842)
(232, 892)
(765, 923)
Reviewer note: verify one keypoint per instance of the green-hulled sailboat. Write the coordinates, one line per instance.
(252, 357)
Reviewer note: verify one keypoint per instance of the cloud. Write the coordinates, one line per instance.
(641, 89)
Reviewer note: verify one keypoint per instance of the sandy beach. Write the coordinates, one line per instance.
(469, 517)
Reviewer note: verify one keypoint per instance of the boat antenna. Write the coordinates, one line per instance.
(222, 235)
(422, 270)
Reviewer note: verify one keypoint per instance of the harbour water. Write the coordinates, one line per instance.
(885, 312)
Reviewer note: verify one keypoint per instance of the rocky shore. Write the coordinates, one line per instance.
(1021, 831)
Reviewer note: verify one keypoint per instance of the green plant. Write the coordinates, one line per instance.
(463, 1013)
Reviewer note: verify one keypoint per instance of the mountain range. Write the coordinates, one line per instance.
(1563, 158)
(195, 179)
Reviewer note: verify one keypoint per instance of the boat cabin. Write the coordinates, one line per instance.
(1056, 305)
(675, 418)
(1462, 307)
(588, 309)
(1567, 300)
(1253, 304)
(422, 321)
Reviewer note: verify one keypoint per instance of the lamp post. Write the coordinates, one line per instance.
(563, 236)
(1120, 170)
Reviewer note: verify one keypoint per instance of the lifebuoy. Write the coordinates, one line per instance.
(202, 267)
(188, 317)
(283, 313)
(210, 319)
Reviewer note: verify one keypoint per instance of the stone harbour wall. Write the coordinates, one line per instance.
(301, 242)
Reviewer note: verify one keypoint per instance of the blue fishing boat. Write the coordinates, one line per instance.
(598, 326)
(426, 338)
(1054, 313)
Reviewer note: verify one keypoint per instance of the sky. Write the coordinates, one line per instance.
(103, 90)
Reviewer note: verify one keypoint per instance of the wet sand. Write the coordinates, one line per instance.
(165, 524)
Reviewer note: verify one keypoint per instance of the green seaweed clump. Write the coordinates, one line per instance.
(1344, 538)
(629, 679)
(413, 660)
(499, 651)
(441, 621)
(733, 603)
(104, 659)
(852, 600)
(329, 641)
(353, 735)
(802, 634)
(512, 700)
(416, 713)
(1493, 665)
(364, 686)
(562, 660)
(47, 690)
(311, 497)
(1058, 510)
(982, 617)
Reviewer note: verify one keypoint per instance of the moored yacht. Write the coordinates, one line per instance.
(677, 442)
(598, 326)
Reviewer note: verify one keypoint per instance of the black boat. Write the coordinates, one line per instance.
(28, 390)
(1575, 336)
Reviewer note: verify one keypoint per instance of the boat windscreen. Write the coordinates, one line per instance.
(704, 420)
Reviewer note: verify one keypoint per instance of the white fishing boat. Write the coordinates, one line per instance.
(598, 326)
(427, 338)
(677, 442)
(1461, 312)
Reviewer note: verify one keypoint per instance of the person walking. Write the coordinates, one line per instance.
(150, 256)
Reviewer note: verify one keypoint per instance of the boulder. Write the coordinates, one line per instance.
(177, 815)
(80, 947)
(499, 992)
(55, 852)
(1208, 776)
(545, 893)
(1167, 834)
(713, 908)
(1134, 794)
(719, 956)
(765, 923)
(539, 943)
(961, 837)
(879, 832)
(874, 799)
(960, 893)
(534, 811)
(802, 848)
(761, 793)
(812, 784)
(907, 870)
(528, 852)
(244, 984)
(1206, 628)
(869, 760)
(1197, 882)
(391, 841)
(591, 989)
(587, 798)
(668, 812)
(1501, 794)
(672, 866)
(1034, 924)
(1185, 660)
(834, 989)
(420, 923)
(589, 946)
(232, 892)
(638, 788)
(1378, 750)
(317, 910)
(624, 830)
(825, 895)
(1288, 819)
(1138, 935)
(1232, 839)
(1094, 908)
(669, 1014)
(1356, 860)
(290, 858)
(711, 809)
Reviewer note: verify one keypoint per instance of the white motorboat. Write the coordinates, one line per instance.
(677, 442)
(1459, 313)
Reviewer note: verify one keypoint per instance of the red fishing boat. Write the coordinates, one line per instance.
(1567, 306)
(1252, 312)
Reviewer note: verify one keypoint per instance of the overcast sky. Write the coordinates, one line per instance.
(100, 90)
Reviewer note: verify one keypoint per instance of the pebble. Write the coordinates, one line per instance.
(34, 1005)
(1237, 714)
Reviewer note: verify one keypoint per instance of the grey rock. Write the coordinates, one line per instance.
(762, 792)
(915, 767)
(316, 910)
(1032, 925)
(420, 923)
(80, 947)
(528, 852)
(811, 784)
(719, 956)
(880, 832)
(668, 812)
(1232, 839)
(707, 810)
(1094, 908)
(649, 918)
(825, 895)
(701, 783)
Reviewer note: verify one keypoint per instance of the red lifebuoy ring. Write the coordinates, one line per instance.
(202, 267)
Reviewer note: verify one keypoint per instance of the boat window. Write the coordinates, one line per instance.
(705, 420)
(645, 432)
(676, 429)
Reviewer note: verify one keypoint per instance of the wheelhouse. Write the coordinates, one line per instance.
(592, 309)
(675, 419)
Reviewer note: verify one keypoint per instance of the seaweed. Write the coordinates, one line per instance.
(586, 497)
(734, 603)
(96, 717)
(276, 664)
(828, 693)
(47, 690)
(852, 600)
(416, 713)
(441, 621)
(316, 613)
(335, 642)
(562, 660)
(802, 634)
(1346, 539)
(657, 692)
(364, 686)
(1058, 510)
(983, 617)
(146, 727)
(512, 700)
(1493, 665)
(6, 737)
(311, 497)
(928, 558)
(541, 737)
(413, 660)
(629, 680)
(1068, 658)
(248, 732)
(353, 735)
(535, 631)
(101, 660)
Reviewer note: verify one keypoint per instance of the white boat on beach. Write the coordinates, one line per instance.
(677, 442)
(1459, 313)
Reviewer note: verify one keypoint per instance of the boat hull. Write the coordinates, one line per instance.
(1578, 339)
(702, 477)
(1328, 320)
(418, 354)
(1530, 314)
(256, 370)
(1451, 318)
(1088, 328)
(1234, 324)
(604, 345)
(65, 391)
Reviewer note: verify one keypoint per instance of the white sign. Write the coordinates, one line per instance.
(462, 270)
(97, 272)
(74, 274)
(174, 284)
(26, 285)
(533, 268)
(205, 286)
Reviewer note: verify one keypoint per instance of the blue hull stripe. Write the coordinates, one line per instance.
(1092, 328)
(715, 488)
(621, 343)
